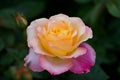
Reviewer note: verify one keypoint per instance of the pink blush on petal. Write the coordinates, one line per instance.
(54, 65)
(84, 62)
(32, 61)
(80, 68)
(56, 45)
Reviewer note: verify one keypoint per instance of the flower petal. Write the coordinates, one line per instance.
(83, 63)
(33, 61)
(88, 34)
(77, 24)
(78, 52)
(59, 20)
(31, 30)
(32, 36)
(55, 65)
(59, 17)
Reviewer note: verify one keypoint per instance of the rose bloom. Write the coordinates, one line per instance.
(57, 45)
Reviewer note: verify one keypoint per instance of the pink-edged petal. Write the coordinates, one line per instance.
(59, 20)
(32, 60)
(59, 17)
(77, 23)
(83, 63)
(55, 65)
(32, 36)
(37, 47)
(88, 34)
(78, 52)
(31, 29)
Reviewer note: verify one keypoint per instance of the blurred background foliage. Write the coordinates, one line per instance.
(103, 16)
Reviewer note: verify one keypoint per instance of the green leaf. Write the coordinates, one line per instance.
(96, 12)
(10, 40)
(30, 9)
(8, 73)
(101, 53)
(84, 12)
(95, 74)
(114, 8)
(22, 52)
(8, 37)
(96, 71)
(6, 60)
(6, 18)
(9, 57)
(42, 75)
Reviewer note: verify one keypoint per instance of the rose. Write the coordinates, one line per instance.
(56, 45)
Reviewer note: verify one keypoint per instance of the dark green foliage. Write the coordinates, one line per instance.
(113, 7)
(103, 16)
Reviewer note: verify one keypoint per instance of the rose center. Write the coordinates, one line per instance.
(57, 39)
